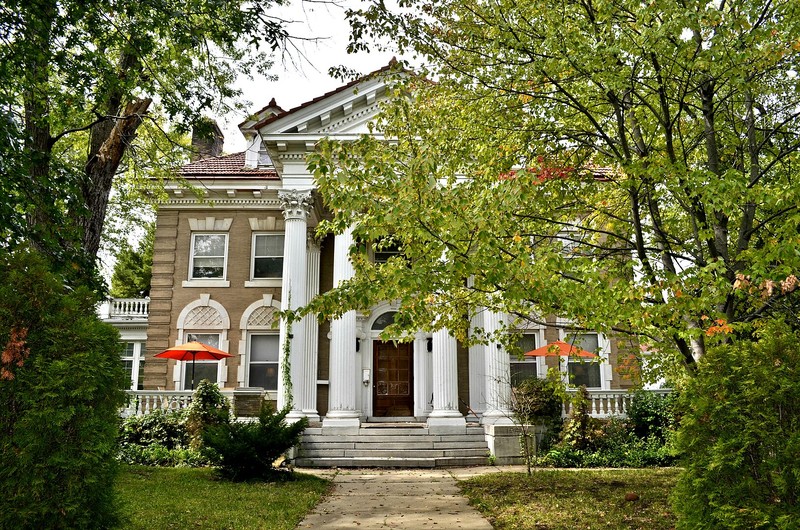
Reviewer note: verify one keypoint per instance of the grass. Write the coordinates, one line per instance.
(575, 499)
(192, 498)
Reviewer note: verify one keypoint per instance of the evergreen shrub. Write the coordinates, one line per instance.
(740, 436)
(61, 384)
(248, 450)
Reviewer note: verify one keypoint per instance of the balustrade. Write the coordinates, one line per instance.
(606, 403)
(129, 307)
(141, 402)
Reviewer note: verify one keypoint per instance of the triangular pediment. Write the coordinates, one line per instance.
(347, 110)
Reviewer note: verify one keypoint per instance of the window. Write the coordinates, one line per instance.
(202, 369)
(584, 371)
(208, 256)
(385, 249)
(263, 369)
(267, 256)
(526, 367)
(133, 362)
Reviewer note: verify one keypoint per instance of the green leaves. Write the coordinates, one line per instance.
(616, 164)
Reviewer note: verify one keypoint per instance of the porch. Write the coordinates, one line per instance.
(603, 403)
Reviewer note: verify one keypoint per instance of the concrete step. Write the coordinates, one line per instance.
(393, 437)
(392, 445)
(391, 453)
(453, 461)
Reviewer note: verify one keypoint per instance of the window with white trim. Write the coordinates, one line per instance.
(203, 369)
(525, 367)
(386, 248)
(264, 351)
(584, 371)
(133, 362)
(208, 256)
(267, 256)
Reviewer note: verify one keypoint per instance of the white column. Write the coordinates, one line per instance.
(477, 379)
(342, 382)
(308, 401)
(498, 374)
(445, 415)
(422, 389)
(296, 208)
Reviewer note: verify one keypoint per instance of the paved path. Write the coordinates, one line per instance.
(402, 498)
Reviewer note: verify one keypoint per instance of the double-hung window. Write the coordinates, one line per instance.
(203, 369)
(133, 363)
(267, 256)
(525, 367)
(583, 371)
(209, 252)
(263, 369)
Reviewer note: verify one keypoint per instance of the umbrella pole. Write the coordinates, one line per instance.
(193, 354)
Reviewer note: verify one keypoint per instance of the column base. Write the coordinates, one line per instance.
(311, 415)
(447, 424)
(497, 417)
(341, 424)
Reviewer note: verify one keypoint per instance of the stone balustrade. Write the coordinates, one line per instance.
(606, 403)
(129, 307)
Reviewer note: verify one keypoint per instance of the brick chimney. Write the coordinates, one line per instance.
(207, 140)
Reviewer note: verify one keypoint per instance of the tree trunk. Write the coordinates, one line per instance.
(101, 169)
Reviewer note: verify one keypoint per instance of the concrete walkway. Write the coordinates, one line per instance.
(401, 498)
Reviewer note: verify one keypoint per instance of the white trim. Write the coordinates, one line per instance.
(206, 281)
(204, 300)
(264, 282)
(253, 280)
(243, 373)
(197, 282)
(604, 349)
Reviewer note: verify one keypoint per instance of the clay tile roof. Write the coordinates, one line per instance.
(227, 166)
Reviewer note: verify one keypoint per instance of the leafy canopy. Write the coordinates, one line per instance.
(629, 166)
(87, 89)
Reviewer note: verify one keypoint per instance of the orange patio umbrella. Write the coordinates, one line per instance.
(193, 350)
(561, 349)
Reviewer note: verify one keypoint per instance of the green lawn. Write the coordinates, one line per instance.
(191, 498)
(575, 499)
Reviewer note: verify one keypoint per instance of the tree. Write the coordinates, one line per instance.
(61, 386)
(629, 166)
(133, 269)
(79, 79)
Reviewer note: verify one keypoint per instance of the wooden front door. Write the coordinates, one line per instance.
(393, 385)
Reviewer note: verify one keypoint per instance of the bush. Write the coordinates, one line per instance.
(740, 435)
(652, 414)
(581, 430)
(208, 407)
(247, 450)
(164, 428)
(158, 439)
(61, 390)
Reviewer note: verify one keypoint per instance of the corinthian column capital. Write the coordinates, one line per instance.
(296, 203)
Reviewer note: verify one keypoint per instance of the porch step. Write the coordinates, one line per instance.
(398, 445)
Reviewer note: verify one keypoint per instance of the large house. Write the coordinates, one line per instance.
(226, 263)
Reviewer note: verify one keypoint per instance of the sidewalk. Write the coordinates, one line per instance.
(397, 498)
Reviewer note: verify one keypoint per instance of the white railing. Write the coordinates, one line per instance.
(128, 307)
(605, 403)
(141, 402)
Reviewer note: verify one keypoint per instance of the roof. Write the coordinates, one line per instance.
(226, 166)
(392, 64)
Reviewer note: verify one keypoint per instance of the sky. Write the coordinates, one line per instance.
(303, 74)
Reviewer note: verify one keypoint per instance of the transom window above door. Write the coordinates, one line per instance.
(209, 253)
(267, 256)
